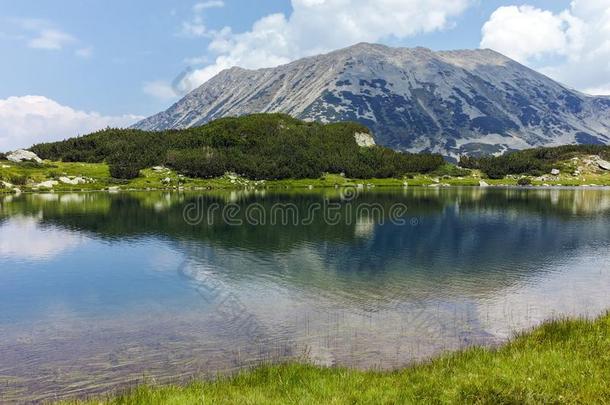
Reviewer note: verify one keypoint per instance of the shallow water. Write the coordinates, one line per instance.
(99, 291)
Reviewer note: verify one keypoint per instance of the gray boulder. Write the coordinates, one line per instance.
(603, 164)
(23, 156)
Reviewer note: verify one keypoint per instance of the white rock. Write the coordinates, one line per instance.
(47, 184)
(555, 172)
(159, 168)
(74, 181)
(166, 180)
(6, 184)
(603, 164)
(23, 155)
(483, 183)
(364, 140)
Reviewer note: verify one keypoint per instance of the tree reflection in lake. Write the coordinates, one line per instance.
(98, 289)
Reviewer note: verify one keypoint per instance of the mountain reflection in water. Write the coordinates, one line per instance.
(98, 289)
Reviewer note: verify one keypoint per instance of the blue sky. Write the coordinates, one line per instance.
(119, 58)
(131, 42)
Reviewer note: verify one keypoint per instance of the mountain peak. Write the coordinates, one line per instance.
(413, 99)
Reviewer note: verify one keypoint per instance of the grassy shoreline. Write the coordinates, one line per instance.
(28, 178)
(562, 361)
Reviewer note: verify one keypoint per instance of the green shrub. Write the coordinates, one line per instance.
(451, 170)
(532, 162)
(259, 146)
(205, 162)
(524, 181)
(29, 164)
(18, 179)
(125, 170)
(2, 156)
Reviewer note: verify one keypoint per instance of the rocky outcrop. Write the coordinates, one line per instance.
(73, 181)
(603, 164)
(47, 184)
(23, 156)
(364, 140)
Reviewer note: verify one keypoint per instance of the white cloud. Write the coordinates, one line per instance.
(42, 34)
(524, 32)
(572, 46)
(159, 89)
(23, 238)
(316, 26)
(195, 28)
(51, 39)
(27, 120)
(200, 7)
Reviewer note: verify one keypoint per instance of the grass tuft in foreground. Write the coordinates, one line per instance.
(565, 361)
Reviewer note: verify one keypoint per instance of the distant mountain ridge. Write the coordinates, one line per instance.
(450, 102)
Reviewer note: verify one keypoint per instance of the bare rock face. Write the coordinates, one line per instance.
(23, 156)
(603, 164)
(364, 140)
(456, 103)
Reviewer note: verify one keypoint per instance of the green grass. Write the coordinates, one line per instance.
(563, 361)
(448, 175)
(150, 179)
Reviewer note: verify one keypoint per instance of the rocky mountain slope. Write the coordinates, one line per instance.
(454, 102)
